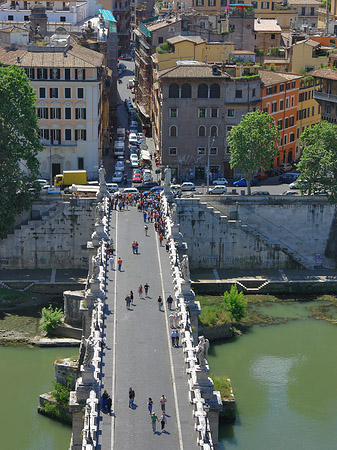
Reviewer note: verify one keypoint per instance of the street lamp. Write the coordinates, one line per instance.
(208, 153)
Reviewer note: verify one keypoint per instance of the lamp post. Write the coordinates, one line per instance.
(208, 153)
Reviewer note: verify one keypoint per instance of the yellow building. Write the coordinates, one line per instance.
(193, 49)
(285, 14)
(308, 109)
(307, 55)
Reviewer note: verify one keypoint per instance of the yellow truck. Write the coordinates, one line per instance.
(69, 177)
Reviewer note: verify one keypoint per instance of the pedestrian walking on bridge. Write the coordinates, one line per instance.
(140, 290)
(146, 289)
(111, 261)
(120, 262)
(169, 302)
(162, 402)
(154, 420)
(146, 229)
(150, 405)
(163, 421)
(160, 302)
(132, 396)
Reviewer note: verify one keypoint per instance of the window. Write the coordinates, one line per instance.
(285, 139)
(30, 73)
(173, 112)
(253, 92)
(160, 40)
(201, 151)
(215, 91)
(215, 112)
(42, 74)
(274, 107)
(10, 17)
(67, 113)
(203, 90)
(67, 92)
(62, 19)
(44, 134)
(186, 91)
(80, 135)
(254, 4)
(269, 91)
(281, 87)
(80, 113)
(26, 18)
(228, 129)
(281, 105)
(172, 151)
(213, 151)
(313, 111)
(201, 131)
(238, 93)
(202, 113)
(291, 121)
(211, 2)
(292, 100)
(303, 11)
(287, 102)
(54, 93)
(230, 113)
(42, 92)
(297, 133)
(55, 136)
(214, 130)
(286, 122)
(55, 113)
(79, 74)
(67, 134)
(272, 36)
(173, 90)
(42, 113)
(80, 92)
(288, 85)
(55, 74)
(80, 163)
(173, 131)
(264, 5)
(274, 89)
(280, 124)
(291, 137)
(67, 74)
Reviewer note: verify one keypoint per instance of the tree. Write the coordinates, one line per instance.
(318, 163)
(253, 144)
(19, 146)
(235, 303)
(51, 318)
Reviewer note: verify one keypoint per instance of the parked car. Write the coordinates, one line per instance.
(298, 184)
(117, 177)
(218, 190)
(130, 190)
(243, 182)
(137, 171)
(260, 193)
(261, 175)
(175, 187)
(156, 189)
(42, 182)
(147, 177)
(285, 167)
(289, 193)
(112, 187)
(288, 177)
(134, 160)
(119, 166)
(220, 182)
(188, 186)
(137, 178)
(148, 185)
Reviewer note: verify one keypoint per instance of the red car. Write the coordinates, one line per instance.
(137, 178)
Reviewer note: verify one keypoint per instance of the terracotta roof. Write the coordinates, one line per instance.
(324, 73)
(194, 39)
(74, 56)
(191, 71)
(308, 42)
(268, 78)
(162, 24)
(267, 25)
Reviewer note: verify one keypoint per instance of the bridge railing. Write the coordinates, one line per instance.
(201, 389)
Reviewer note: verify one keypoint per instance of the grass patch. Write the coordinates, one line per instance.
(223, 385)
(12, 297)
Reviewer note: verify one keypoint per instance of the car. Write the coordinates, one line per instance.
(147, 177)
(42, 182)
(261, 175)
(140, 135)
(137, 171)
(221, 182)
(133, 140)
(119, 166)
(137, 178)
(112, 187)
(218, 190)
(132, 90)
(133, 150)
(133, 123)
(148, 185)
(260, 193)
(130, 190)
(243, 182)
(188, 186)
(156, 189)
(289, 193)
(285, 167)
(117, 177)
(288, 177)
(298, 184)
(134, 160)
(175, 187)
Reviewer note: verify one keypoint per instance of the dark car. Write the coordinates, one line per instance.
(288, 177)
(260, 193)
(147, 186)
(243, 182)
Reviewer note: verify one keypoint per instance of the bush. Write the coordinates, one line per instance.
(52, 318)
(235, 303)
(213, 315)
(61, 393)
(223, 385)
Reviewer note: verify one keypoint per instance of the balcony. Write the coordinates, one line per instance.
(319, 95)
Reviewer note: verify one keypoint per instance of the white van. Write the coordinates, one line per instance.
(133, 140)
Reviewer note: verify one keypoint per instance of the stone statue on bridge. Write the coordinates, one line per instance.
(99, 212)
(185, 268)
(201, 350)
(174, 214)
(95, 266)
(167, 176)
(89, 352)
(101, 175)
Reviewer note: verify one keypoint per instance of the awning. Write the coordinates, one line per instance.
(107, 15)
(145, 155)
(142, 111)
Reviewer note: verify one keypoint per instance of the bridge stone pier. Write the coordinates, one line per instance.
(124, 348)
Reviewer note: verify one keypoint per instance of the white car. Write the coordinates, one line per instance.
(112, 187)
(133, 140)
(130, 190)
(134, 160)
(147, 177)
(119, 166)
(117, 177)
(218, 190)
(188, 186)
(220, 182)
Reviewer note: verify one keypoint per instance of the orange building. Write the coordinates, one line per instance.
(279, 98)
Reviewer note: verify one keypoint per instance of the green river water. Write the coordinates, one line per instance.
(285, 383)
(26, 373)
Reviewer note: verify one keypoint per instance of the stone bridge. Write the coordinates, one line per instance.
(124, 348)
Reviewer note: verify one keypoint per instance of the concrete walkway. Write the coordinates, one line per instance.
(139, 352)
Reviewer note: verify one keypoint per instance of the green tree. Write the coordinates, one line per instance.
(318, 163)
(235, 303)
(51, 318)
(253, 144)
(19, 146)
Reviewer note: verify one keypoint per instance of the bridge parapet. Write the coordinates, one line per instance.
(205, 400)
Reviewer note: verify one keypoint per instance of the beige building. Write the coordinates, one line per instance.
(307, 12)
(267, 34)
(307, 55)
(283, 12)
(69, 83)
(326, 95)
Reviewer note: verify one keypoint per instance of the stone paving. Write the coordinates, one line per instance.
(142, 356)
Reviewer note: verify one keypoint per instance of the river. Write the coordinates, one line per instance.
(25, 374)
(284, 379)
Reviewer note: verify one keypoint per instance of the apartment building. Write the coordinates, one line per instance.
(307, 13)
(194, 106)
(282, 11)
(326, 94)
(69, 81)
(267, 34)
(121, 11)
(279, 98)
